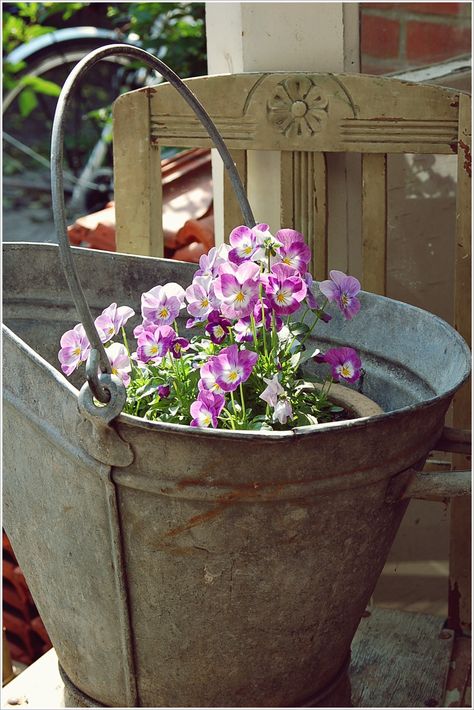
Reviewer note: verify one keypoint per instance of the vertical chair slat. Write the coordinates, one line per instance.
(374, 222)
(138, 190)
(304, 202)
(232, 210)
(460, 510)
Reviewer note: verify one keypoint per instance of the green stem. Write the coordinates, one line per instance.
(242, 401)
(233, 405)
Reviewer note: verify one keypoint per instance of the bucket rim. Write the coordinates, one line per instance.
(247, 434)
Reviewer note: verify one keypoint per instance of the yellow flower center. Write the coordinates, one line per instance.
(206, 420)
(346, 371)
(218, 331)
(345, 299)
(240, 297)
(164, 313)
(248, 250)
(281, 297)
(287, 260)
(205, 303)
(114, 371)
(76, 351)
(153, 349)
(233, 375)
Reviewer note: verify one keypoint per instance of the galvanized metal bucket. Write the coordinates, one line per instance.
(175, 566)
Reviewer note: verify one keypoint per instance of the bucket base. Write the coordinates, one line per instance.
(337, 694)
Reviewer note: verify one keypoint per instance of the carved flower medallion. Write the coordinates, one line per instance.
(298, 107)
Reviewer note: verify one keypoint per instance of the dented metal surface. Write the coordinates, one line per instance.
(244, 551)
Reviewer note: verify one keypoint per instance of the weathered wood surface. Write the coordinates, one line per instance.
(458, 685)
(400, 659)
(460, 595)
(137, 179)
(305, 111)
(374, 222)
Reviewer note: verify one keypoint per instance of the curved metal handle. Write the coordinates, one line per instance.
(100, 378)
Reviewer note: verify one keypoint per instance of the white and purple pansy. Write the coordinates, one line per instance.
(217, 327)
(237, 288)
(343, 290)
(206, 409)
(201, 298)
(75, 348)
(285, 289)
(345, 363)
(232, 367)
(293, 250)
(111, 320)
(154, 342)
(162, 304)
(119, 362)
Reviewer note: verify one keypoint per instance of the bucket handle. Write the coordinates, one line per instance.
(104, 386)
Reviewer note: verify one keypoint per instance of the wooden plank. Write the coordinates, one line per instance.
(39, 686)
(137, 169)
(400, 659)
(333, 113)
(232, 210)
(460, 510)
(303, 203)
(374, 222)
(458, 684)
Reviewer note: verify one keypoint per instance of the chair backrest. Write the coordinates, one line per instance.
(304, 116)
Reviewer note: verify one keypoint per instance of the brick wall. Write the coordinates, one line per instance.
(399, 35)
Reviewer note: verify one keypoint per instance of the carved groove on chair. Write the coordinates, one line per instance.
(304, 202)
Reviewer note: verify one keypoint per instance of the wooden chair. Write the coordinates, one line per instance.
(306, 117)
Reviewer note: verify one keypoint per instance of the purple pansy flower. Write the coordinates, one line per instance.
(208, 379)
(119, 362)
(75, 348)
(282, 411)
(111, 320)
(232, 367)
(162, 304)
(237, 288)
(344, 362)
(163, 391)
(244, 243)
(271, 392)
(177, 347)
(243, 330)
(293, 251)
(217, 327)
(343, 290)
(210, 262)
(285, 289)
(154, 342)
(206, 409)
(200, 297)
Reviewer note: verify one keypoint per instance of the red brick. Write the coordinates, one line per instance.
(369, 67)
(379, 37)
(429, 41)
(436, 8)
(379, 5)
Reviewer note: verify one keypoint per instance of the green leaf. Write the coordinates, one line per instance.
(42, 86)
(27, 102)
(299, 328)
(311, 351)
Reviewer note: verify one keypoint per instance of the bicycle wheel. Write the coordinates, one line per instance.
(26, 139)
